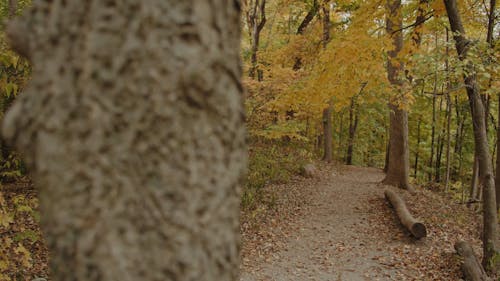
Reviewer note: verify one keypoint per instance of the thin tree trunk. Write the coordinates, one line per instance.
(256, 20)
(327, 113)
(399, 162)
(475, 180)
(497, 183)
(353, 124)
(341, 130)
(490, 219)
(327, 129)
(448, 115)
(122, 196)
(12, 8)
(433, 128)
(418, 148)
(448, 142)
(440, 146)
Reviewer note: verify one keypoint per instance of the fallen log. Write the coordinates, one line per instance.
(417, 229)
(472, 268)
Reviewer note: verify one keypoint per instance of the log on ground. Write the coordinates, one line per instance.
(472, 268)
(416, 228)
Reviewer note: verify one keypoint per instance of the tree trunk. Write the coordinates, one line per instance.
(448, 115)
(433, 129)
(418, 148)
(327, 113)
(327, 129)
(475, 180)
(398, 169)
(341, 130)
(417, 229)
(133, 130)
(490, 219)
(12, 8)
(353, 124)
(472, 268)
(497, 182)
(448, 142)
(256, 19)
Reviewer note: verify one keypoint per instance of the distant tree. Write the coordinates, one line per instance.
(132, 127)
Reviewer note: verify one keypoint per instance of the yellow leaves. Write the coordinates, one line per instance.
(24, 256)
(5, 217)
(439, 8)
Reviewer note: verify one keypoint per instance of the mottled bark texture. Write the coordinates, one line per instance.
(491, 249)
(132, 127)
(398, 165)
(471, 267)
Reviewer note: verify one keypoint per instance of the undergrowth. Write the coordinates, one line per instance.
(271, 162)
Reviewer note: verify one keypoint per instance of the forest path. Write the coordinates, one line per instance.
(337, 238)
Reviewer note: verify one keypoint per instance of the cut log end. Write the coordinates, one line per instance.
(418, 230)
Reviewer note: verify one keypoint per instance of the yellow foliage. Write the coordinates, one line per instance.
(24, 255)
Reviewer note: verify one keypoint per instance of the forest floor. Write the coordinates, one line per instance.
(338, 226)
(335, 226)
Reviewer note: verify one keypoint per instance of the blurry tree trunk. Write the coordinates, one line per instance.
(489, 39)
(398, 161)
(417, 152)
(353, 124)
(341, 130)
(5, 150)
(475, 179)
(490, 219)
(387, 151)
(256, 20)
(497, 182)
(471, 267)
(448, 141)
(433, 128)
(12, 8)
(123, 196)
(440, 146)
(328, 135)
(459, 133)
(448, 114)
(327, 112)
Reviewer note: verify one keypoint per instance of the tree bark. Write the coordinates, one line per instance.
(133, 129)
(497, 179)
(328, 135)
(448, 114)
(12, 8)
(448, 142)
(256, 20)
(472, 268)
(398, 168)
(353, 125)
(433, 129)
(490, 219)
(327, 113)
(417, 229)
(417, 152)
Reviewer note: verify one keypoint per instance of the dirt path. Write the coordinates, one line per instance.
(335, 239)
